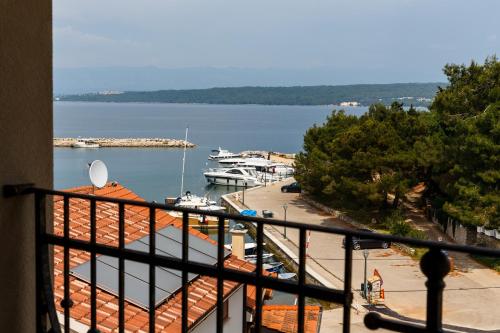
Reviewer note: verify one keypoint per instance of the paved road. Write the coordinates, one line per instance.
(471, 298)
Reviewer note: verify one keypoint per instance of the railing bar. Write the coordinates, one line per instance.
(258, 280)
(374, 321)
(41, 326)
(302, 279)
(185, 258)
(66, 302)
(93, 268)
(121, 268)
(346, 326)
(152, 269)
(258, 220)
(220, 270)
(324, 293)
(301, 288)
(244, 308)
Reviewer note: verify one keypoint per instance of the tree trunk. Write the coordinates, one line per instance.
(395, 203)
(384, 204)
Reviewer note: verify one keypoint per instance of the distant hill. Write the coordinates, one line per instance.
(91, 79)
(418, 94)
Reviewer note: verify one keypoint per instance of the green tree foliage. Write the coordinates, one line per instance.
(469, 116)
(472, 184)
(454, 149)
(366, 94)
(364, 159)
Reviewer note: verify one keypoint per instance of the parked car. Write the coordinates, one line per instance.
(267, 213)
(360, 243)
(292, 188)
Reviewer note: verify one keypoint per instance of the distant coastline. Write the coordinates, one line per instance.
(417, 94)
(126, 142)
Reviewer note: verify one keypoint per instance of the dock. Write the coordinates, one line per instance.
(126, 142)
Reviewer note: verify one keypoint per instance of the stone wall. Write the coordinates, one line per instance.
(462, 234)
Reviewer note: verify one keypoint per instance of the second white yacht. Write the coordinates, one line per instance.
(222, 154)
(237, 176)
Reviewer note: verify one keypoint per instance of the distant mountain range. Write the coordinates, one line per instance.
(417, 94)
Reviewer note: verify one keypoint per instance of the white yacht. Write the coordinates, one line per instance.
(189, 200)
(268, 171)
(85, 143)
(196, 202)
(281, 169)
(236, 176)
(257, 162)
(222, 154)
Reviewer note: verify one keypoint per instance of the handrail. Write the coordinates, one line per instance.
(292, 224)
(434, 264)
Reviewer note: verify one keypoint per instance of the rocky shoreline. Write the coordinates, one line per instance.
(126, 142)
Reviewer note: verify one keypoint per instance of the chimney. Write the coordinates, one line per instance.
(238, 240)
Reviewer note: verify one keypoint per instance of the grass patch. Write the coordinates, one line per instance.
(419, 252)
(491, 262)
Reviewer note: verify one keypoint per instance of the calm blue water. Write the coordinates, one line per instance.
(156, 173)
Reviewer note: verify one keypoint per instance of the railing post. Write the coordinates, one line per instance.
(185, 258)
(45, 306)
(40, 226)
(152, 269)
(121, 268)
(93, 269)
(258, 278)
(66, 302)
(346, 322)
(435, 264)
(220, 280)
(302, 280)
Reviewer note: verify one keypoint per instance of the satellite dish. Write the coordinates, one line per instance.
(98, 173)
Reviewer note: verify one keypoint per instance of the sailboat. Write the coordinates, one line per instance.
(189, 200)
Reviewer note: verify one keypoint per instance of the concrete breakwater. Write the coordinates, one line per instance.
(126, 142)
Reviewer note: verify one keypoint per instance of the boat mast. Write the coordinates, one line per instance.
(184, 161)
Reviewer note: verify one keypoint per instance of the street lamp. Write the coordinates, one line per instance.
(285, 207)
(365, 285)
(245, 185)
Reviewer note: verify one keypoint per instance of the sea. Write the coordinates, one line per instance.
(155, 173)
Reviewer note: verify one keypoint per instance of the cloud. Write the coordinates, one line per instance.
(75, 48)
(406, 36)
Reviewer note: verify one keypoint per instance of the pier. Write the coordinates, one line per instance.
(126, 142)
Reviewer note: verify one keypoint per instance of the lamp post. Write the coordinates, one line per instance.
(245, 185)
(365, 286)
(285, 207)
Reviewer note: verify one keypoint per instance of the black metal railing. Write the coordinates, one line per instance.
(434, 264)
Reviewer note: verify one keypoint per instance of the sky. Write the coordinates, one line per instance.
(358, 41)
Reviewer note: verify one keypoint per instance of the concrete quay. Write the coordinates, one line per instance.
(126, 142)
(471, 296)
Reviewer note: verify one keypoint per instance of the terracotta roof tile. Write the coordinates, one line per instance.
(202, 291)
(283, 318)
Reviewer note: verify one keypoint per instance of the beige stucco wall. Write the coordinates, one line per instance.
(234, 322)
(25, 148)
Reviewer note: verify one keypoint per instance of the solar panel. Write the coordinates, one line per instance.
(168, 281)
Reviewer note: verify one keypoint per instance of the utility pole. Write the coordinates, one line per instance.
(285, 207)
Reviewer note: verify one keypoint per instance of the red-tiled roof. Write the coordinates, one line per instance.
(202, 291)
(283, 318)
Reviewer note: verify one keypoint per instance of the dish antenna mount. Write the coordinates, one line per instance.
(98, 173)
